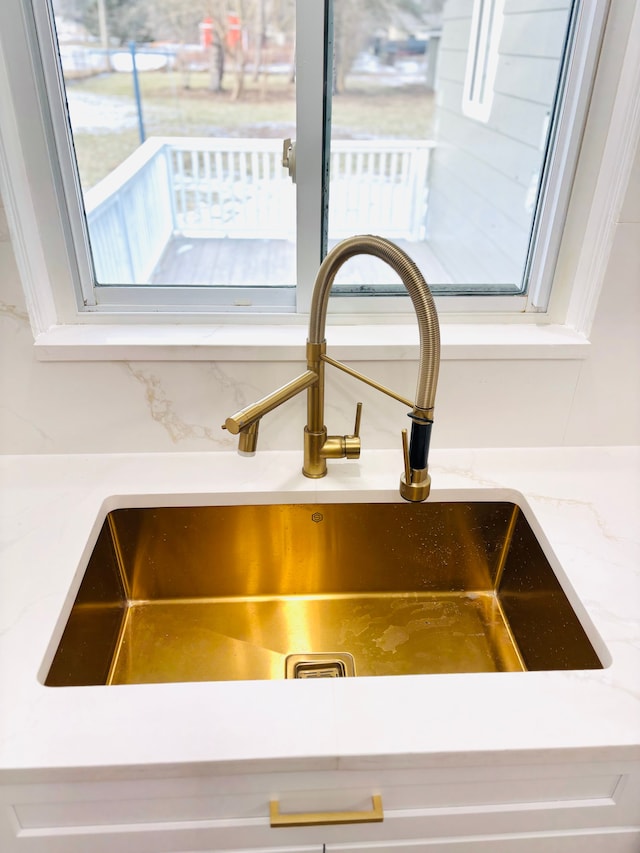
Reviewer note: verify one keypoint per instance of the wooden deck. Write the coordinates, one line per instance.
(242, 262)
(234, 207)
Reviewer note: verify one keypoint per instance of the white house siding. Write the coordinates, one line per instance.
(483, 174)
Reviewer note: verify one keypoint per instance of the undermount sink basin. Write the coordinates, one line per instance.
(222, 593)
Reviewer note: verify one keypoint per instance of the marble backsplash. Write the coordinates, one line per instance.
(119, 406)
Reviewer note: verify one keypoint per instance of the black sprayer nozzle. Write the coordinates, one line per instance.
(419, 445)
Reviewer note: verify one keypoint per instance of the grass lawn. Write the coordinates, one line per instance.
(366, 110)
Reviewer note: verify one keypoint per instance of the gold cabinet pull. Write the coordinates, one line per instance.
(375, 815)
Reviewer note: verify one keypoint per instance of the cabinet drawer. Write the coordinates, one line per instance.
(597, 841)
(112, 804)
(200, 813)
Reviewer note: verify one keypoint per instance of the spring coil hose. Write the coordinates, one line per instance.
(418, 290)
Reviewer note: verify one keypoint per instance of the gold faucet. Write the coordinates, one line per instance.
(415, 481)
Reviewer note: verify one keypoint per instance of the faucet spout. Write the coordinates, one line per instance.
(245, 423)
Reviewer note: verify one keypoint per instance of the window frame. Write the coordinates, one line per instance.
(41, 239)
(311, 159)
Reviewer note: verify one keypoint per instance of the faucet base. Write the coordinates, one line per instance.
(419, 487)
(315, 465)
(314, 476)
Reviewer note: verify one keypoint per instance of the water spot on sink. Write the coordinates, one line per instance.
(393, 637)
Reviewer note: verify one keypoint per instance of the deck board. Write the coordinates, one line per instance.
(245, 262)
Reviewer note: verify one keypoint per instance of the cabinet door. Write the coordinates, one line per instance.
(598, 841)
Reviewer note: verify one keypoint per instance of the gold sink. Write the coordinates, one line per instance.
(221, 593)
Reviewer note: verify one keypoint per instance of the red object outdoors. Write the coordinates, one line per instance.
(206, 32)
(234, 32)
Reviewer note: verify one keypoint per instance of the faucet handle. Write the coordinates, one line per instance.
(405, 456)
(344, 446)
(352, 442)
(356, 428)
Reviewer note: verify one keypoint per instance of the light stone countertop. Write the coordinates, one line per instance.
(586, 502)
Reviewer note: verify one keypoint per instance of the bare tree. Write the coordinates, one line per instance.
(355, 22)
(259, 38)
(104, 32)
(126, 20)
(238, 28)
(282, 19)
(236, 47)
(179, 21)
(351, 22)
(260, 20)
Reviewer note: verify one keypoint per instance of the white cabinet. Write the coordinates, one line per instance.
(606, 841)
(535, 808)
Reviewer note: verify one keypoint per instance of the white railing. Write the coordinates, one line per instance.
(130, 216)
(379, 186)
(238, 188)
(231, 188)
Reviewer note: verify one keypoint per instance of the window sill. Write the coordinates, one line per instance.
(287, 342)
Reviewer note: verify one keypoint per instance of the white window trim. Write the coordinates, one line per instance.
(177, 337)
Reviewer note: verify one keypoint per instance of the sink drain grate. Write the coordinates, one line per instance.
(337, 665)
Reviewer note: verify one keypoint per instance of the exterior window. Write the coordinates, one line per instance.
(208, 155)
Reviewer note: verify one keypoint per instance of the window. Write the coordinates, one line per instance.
(450, 128)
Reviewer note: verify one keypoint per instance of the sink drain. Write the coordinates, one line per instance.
(336, 665)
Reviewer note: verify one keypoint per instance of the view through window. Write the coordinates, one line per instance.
(179, 111)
